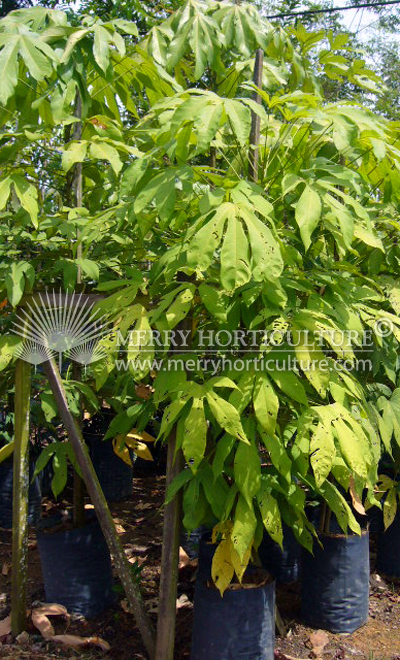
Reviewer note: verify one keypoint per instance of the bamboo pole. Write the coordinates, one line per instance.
(20, 496)
(101, 507)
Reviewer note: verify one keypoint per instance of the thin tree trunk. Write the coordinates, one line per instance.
(169, 559)
(20, 496)
(165, 642)
(77, 189)
(123, 567)
(255, 119)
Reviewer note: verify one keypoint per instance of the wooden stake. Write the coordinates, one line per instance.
(20, 496)
(101, 507)
(169, 560)
(255, 119)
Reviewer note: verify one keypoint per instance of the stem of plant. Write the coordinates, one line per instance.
(77, 187)
(255, 119)
(20, 496)
(165, 642)
(122, 565)
(169, 560)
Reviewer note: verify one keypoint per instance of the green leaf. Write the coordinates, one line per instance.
(278, 454)
(9, 68)
(266, 258)
(322, 452)
(270, 513)
(75, 152)
(339, 507)
(161, 191)
(49, 406)
(266, 403)
(104, 151)
(288, 382)
(207, 239)
(351, 448)
(239, 117)
(226, 415)
(308, 213)
(15, 283)
(225, 446)
(8, 346)
(101, 47)
(311, 360)
(89, 268)
(195, 434)
(44, 458)
(170, 416)
(180, 480)
(214, 301)
(60, 468)
(207, 125)
(5, 187)
(235, 269)
(344, 219)
(244, 527)
(247, 470)
(27, 195)
(37, 56)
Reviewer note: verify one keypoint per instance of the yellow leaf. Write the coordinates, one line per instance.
(142, 435)
(390, 508)
(121, 450)
(143, 451)
(6, 451)
(240, 565)
(222, 569)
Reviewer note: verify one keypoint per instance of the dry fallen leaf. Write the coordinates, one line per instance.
(41, 621)
(5, 626)
(6, 568)
(144, 506)
(152, 605)
(78, 642)
(376, 582)
(125, 606)
(279, 655)
(319, 639)
(183, 601)
(184, 558)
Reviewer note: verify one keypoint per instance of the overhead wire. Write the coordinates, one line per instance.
(331, 10)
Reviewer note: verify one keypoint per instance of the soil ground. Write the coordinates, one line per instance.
(139, 524)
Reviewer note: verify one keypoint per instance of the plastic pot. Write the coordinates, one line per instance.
(388, 557)
(76, 567)
(115, 476)
(6, 495)
(283, 563)
(238, 626)
(335, 583)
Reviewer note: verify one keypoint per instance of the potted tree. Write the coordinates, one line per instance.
(50, 208)
(271, 248)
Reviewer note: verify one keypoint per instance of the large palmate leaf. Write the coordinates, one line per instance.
(27, 47)
(249, 249)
